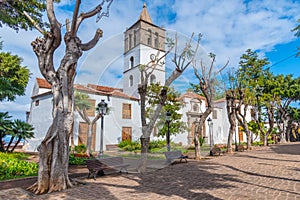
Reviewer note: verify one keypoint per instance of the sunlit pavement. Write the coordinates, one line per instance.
(271, 172)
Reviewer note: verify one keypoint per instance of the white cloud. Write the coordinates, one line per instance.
(229, 27)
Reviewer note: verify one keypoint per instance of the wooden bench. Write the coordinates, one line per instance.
(95, 166)
(241, 148)
(116, 163)
(171, 156)
(216, 151)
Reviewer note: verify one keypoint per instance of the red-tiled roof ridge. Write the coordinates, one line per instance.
(103, 88)
(43, 83)
(220, 100)
(190, 94)
(118, 93)
(87, 89)
(92, 88)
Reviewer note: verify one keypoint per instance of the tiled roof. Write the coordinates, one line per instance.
(83, 88)
(117, 93)
(42, 83)
(92, 89)
(220, 100)
(192, 95)
(103, 88)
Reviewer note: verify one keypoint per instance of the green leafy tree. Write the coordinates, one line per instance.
(13, 13)
(287, 91)
(293, 116)
(249, 75)
(172, 105)
(5, 127)
(20, 130)
(297, 33)
(13, 77)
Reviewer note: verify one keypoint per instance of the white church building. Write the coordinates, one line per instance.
(123, 122)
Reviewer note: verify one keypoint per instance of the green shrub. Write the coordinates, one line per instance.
(13, 165)
(73, 160)
(157, 144)
(80, 148)
(124, 144)
(201, 140)
(257, 143)
(128, 145)
(271, 142)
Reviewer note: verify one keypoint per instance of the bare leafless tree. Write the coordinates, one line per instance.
(207, 78)
(181, 61)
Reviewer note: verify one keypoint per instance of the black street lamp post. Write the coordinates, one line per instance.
(102, 108)
(236, 146)
(168, 120)
(210, 125)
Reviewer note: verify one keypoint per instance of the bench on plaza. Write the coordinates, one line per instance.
(172, 156)
(241, 148)
(116, 163)
(95, 166)
(216, 151)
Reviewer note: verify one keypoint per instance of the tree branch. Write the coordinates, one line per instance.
(74, 20)
(83, 16)
(35, 24)
(87, 46)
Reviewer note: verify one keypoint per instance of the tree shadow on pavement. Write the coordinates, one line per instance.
(265, 158)
(186, 180)
(291, 148)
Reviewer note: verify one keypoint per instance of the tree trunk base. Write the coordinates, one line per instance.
(144, 155)
(54, 188)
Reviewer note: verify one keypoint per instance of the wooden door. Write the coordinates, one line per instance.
(83, 132)
(126, 133)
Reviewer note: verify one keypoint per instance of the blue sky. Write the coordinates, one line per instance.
(229, 27)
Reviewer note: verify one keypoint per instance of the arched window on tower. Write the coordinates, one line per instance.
(152, 79)
(134, 38)
(130, 80)
(149, 42)
(156, 40)
(131, 62)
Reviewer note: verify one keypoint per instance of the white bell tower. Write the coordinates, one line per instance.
(141, 40)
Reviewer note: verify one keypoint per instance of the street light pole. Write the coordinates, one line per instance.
(102, 108)
(168, 120)
(236, 147)
(210, 124)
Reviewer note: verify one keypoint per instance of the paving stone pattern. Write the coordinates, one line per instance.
(271, 172)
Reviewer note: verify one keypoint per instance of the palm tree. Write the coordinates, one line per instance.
(20, 130)
(5, 127)
(82, 104)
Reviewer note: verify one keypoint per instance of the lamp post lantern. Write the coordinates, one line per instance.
(168, 120)
(210, 125)
(102, 109)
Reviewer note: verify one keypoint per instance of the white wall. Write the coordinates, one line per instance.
(141, 54)
(40, 118)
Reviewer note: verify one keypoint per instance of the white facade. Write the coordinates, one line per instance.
(40, 116)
